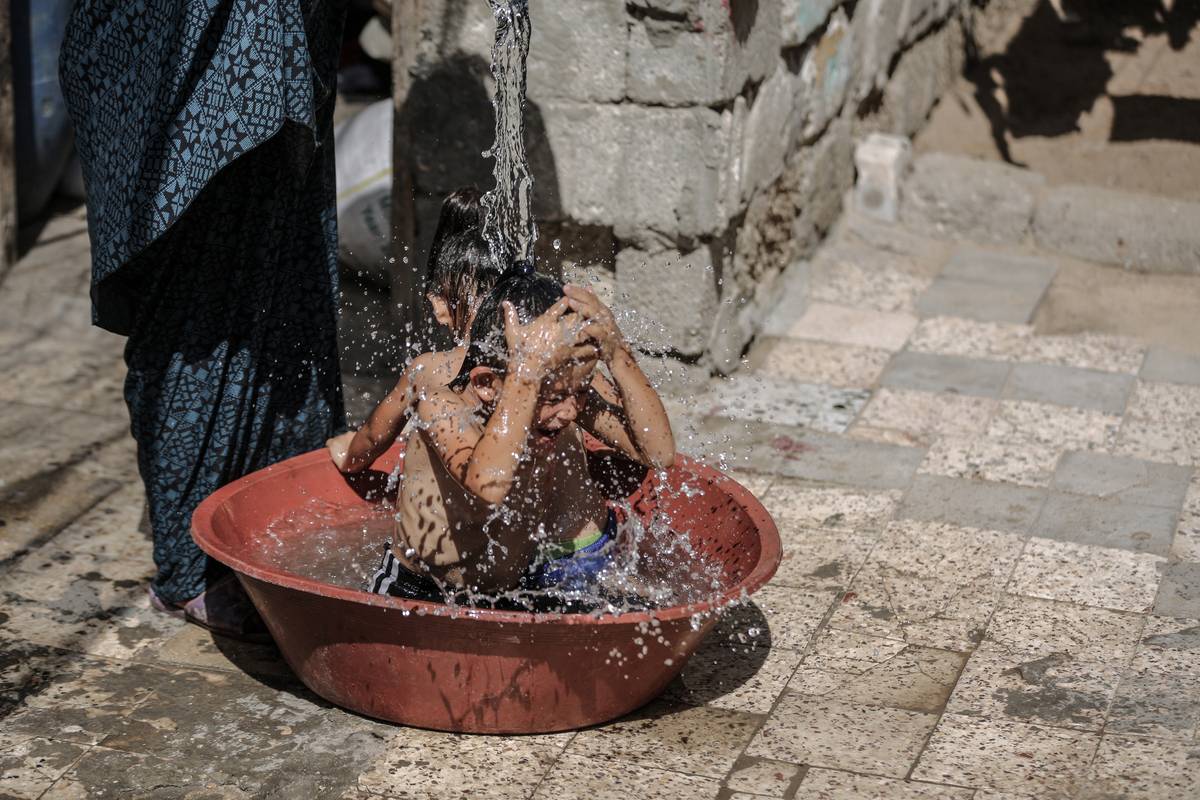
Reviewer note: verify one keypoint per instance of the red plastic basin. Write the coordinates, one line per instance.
(479, 670)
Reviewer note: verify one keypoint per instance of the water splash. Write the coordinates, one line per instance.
(508, 224)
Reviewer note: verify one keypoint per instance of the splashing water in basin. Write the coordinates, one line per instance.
(341, 545)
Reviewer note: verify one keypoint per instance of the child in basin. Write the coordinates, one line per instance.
(459, 274)
(496, 492)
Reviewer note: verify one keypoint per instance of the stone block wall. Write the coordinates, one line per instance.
(701, 147)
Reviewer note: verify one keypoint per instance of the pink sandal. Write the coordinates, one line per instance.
(223, 608)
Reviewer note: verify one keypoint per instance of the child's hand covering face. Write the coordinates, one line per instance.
(599, 324)
(546, 344)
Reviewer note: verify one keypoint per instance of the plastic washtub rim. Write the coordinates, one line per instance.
(770, 553)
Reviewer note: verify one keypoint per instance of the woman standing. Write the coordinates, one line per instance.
(205, 132)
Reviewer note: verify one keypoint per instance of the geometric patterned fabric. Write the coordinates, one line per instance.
(204, 128)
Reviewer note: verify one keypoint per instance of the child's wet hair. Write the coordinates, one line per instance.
(466, 272)
(530, 292)
(461, 210)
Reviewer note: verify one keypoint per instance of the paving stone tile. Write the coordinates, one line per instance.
(1125, 479)
(1154, 440)
(937, 373)
(430, 764)
(733, 444)
(1179, 594)
(1094, 576)
(1056, 690)
(1107, 522)
(974, 300)
(825, 322)
(762, 777)
(193, 646)
(1169, 645)
(666, 736)
(105, 774)
(1058, 426)
(580, 776)
(61, 438)
(74, 374)
(870, 670)
(793, 614)
(978, 504)
(1145, 769)
(28, 768)
(735, 677)
(1069, 386)
(821, 557)
(1043, 628)
(918, 610)
(1000, 754)
(842, 365)
(802, 504)
(844, 276)
(841, 460)
(1165, 365)
(266, 737)
(1186, 546)
(829, 784)
(778, 401)
(947, 552)
(1156, 704)
(1166, 402)
(993, 268)
(73, 698)
(758, 483)
(969, 338)
(921, 417)
(101, 617)
(827, 733)
(1022, 463)
(1085, 351)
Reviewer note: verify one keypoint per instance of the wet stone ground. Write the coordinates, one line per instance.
(990, 590)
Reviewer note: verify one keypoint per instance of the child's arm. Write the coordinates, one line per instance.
(534, 351)
(630, 415)
(355, 451)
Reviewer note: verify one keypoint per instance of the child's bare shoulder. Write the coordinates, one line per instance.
(433, 370)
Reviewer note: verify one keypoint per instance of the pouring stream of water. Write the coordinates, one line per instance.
(508, 219)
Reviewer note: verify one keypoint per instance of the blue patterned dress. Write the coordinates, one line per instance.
(205, 132)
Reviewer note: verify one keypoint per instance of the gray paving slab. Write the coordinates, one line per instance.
(954, 297)
(1000, 269)
(1164, 364)
(1107, 522)
(979, 504)
(851, 462)
(734, 443)
(1179, 592)
(1153, 704)
(939, 373)
(1069, 386)
(1128, 480)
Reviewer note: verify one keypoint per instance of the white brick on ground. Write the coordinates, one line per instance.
(881, 162)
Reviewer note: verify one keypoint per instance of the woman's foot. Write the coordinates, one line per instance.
(222, 608)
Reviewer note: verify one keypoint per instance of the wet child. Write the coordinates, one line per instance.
(496, 493)
(460, 272)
